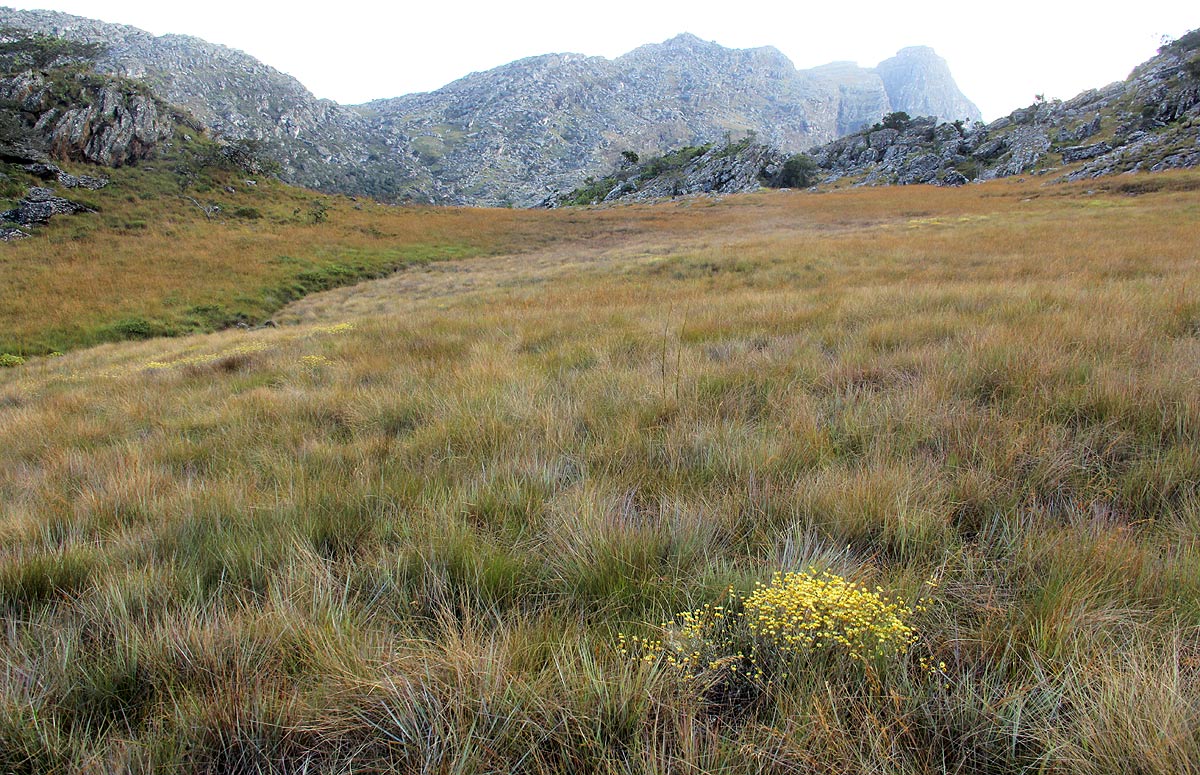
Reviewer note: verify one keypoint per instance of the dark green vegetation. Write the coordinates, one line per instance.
(799, 171)
(406, 533)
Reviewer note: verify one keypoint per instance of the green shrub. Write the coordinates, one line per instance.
(134, 328)
(898, 120)
(248, 213)
(8, 360)
(800, 171)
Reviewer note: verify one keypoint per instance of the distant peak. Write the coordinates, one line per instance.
(914, 52)
(683, 39)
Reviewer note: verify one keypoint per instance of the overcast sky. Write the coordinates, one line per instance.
(1001, 54)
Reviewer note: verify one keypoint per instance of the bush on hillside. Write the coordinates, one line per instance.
(799, 171)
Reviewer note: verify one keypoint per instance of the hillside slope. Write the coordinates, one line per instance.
(1150, 121)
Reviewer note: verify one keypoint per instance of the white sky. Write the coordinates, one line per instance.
(1001, 54)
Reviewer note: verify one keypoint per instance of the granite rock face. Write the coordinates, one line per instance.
(318, 143)
(735, 168)
(108, 121)
(918, 82)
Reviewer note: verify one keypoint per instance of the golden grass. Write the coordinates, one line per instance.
(403, 532)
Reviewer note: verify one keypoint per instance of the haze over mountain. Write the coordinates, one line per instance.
(520, 132)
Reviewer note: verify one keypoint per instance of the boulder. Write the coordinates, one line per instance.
(39, 205)
(921, 169)
(883, 138)
(65, 179)
(1081, 152)
(991, 149)
(953, 178)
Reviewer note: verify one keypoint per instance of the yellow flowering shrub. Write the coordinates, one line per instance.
(801, 612)
(799, 619)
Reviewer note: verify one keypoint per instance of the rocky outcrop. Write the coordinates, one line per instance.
(65, 179)
(516, 134)
(76, 115)
(710, 169)
(318, 143)
(39, 206)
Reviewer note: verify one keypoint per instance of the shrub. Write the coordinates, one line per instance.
(1192, 67)
(249, 155)
(8, 360)
(1186, 42)
(800, 171)
(898, 120)
(798, 622)
(21, 50)
(134, 328)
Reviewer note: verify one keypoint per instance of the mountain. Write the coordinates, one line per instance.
(520, 132)
(918, 82)
(540, 125)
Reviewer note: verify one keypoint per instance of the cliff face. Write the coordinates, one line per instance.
(918, 82)
(515, 134)
(53, 104)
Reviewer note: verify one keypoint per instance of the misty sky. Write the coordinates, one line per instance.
(1001, 55)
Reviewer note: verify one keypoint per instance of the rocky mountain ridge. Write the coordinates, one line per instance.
(514, 134)
(1150, 121)
(543, 123)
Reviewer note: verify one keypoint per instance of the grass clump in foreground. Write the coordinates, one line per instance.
(402, 531)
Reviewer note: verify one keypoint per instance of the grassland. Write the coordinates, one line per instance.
(407, 529)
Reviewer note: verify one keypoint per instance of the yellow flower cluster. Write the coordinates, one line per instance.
(691, 642)
(800, 612)
(194, 360)
(762, 635)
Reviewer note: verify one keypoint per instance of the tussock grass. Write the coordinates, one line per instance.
(410, 543)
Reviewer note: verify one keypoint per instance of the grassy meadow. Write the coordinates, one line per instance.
(416, 527)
